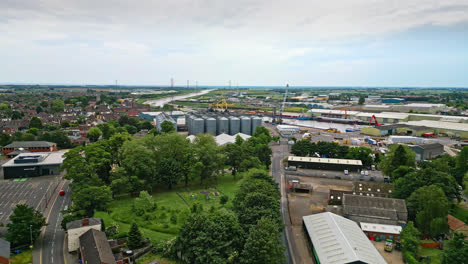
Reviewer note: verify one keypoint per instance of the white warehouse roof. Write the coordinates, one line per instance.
(326, 160)
(338, 240)
(440, 125)
(44, 159)
(379, 228)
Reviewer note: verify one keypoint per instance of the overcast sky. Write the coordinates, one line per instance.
(261, 42)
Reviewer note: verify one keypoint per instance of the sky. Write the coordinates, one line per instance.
(410, 43)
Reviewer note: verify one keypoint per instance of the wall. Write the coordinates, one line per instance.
(4, 260)
(394, 237)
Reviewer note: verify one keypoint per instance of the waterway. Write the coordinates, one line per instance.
(162, 101)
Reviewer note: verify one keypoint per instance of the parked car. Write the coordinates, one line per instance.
(388, 245)
(61, 192)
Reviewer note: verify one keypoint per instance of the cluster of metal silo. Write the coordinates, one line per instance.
(217, 125)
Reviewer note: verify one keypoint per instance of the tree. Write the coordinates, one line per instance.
(399, 155)
(144, 203)
(301, 148)
(233, 157)
(16, 115)
(90, 198)
(107, 130)
(263, 245)
(429, 206)
(23, 222)
(410, 243)
(255, 206)
(145, 125)
(363, 154)
(28, 137)
(205, 150)
(94, 134)
(44, 104)
(33, 131)
(456, 250)
(61, 138)
(167, 127)
(5, 139)
(361, 100)
(39, 109)
(58, 106)
(131, 129)
(35, 122)
(213, 238)
(461, 166)
(135, 238)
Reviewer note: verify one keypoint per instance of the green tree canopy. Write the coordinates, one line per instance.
(456, 250)
(35, 122)
(399, 155)
(429, 206)
(167, 127)
(263, 245)
(90, 198)
(94, 134)
(23, 222)
(135, 238)
(58, 106)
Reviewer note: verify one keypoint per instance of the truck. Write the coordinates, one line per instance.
(429, 135)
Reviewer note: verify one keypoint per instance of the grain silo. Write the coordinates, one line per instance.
(234, 125)
(210, 125)
(222, 125)
(188, 122)
(246, 125)
(198, 126)
(256, 122)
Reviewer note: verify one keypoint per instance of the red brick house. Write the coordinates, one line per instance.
(31, 146)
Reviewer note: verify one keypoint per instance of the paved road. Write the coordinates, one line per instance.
(50, 247)
(279, 153)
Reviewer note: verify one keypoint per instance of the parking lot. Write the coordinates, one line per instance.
(34, 192)
(372, 175)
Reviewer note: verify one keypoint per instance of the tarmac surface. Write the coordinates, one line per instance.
(34, 192)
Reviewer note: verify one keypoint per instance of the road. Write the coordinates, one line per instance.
(50, 247)
(277, 169)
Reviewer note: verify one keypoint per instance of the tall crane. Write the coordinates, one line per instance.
(282, 105)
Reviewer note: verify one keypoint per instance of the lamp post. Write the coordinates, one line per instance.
(30, 233)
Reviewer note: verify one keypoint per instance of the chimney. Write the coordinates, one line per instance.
(85, 222)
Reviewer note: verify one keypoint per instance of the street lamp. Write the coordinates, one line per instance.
(30, 232)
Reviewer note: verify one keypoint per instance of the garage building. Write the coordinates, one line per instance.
(335, 239)
(324, 163)
(33, 165)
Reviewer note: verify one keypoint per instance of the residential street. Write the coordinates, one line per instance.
(50, 247)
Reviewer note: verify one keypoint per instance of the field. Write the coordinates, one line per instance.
(24, 257)
(148, 258)
(431, 255)
(172, 208)
(461, 213)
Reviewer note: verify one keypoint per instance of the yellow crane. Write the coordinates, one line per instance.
(221, 106)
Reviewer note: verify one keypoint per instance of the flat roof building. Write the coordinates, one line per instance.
(334, 239)
(33, 165)
(381, 231)
(31, 146)
(324, 163)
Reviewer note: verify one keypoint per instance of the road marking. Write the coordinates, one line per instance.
(47, 220)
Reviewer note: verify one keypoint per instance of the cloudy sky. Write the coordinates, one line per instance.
(261, 42)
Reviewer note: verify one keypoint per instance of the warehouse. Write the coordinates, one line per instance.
(335, 239)
(31, 146)
(324, 163)
(381, 231)
(378, 210)
(427, 151)
(33, 165)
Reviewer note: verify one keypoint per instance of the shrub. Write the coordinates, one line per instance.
(173, 219)
(223, 199)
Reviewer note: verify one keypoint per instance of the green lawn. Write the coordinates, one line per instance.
(159, 225)
(432, 255)
(24, 257)
(461, 213)
(152, 257)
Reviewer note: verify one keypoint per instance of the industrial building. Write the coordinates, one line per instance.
(324, 163)
(31, 146)
(335, 239)
(378, 210)
(381, 231)
(33, 165)
(393, 100)
(222, 124)
(419, 128)
(427, 151)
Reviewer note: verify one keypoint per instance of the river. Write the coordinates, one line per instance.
(162, 101)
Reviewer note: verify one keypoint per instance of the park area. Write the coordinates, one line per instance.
(172, 207)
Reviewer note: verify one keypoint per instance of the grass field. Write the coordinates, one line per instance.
(24, 257)
(148, 258)
(461, 213)
(172, 208)
(432, 255)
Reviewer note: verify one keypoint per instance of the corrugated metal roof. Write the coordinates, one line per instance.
(338, 240)
(440, 125)
(326, 160)
(387, 229)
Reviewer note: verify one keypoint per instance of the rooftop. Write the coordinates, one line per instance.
(379, 228)
(37, 158)
(79, 223)
(95, 248)
(340, 240)
(30, 144)
(325, 160)
(440, 125)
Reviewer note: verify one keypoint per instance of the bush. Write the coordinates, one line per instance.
(223, 199)
(173, 219)
(121, 235)
(409, 258)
